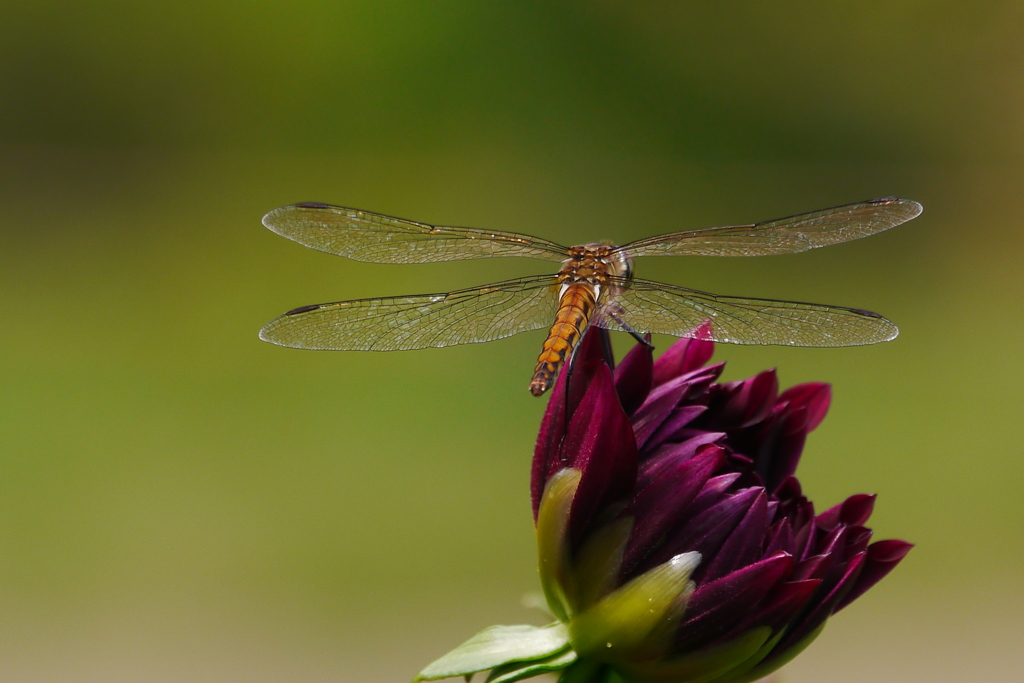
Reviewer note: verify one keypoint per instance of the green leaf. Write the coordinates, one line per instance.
(520, 670)
(496, 646)
(763, 670)
(598, 562)
(700, 666)
(637, 620)
(552, 541)
(585, 671)
(742, 671)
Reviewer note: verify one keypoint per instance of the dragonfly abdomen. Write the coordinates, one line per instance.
(575, 309)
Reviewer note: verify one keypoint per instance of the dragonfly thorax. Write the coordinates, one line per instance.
(595, 264)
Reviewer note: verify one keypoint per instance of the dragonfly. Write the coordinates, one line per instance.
(595, 286)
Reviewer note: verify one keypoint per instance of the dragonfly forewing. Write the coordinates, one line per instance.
(466, 316)
(788, 235)
(655, 307)
(375, 238)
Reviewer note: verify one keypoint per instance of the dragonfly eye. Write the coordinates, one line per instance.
(620, 265)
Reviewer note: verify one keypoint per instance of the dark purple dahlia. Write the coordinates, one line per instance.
(675, 541)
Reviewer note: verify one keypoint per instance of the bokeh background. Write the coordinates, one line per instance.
(182, 502)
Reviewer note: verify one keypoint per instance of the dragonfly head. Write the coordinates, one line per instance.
(619, 264)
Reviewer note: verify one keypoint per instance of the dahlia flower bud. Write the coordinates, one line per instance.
(675, 543)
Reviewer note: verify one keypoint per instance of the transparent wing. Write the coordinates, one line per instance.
(784, 235)
(649, 306)
(393, 323)
(372, 237)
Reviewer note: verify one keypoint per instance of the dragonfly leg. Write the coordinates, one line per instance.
(606, 344)
(643, 339)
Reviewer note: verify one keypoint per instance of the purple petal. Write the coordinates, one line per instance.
(659, 506)
(593, 350)
(744, 544)
(831, 547)
(804, 529)
(600, 444)
(882, 558)
(685, 355)
(789, 488)
(549, 442)
(855, 510)
(758, 396)
(716, 606)
(814, 567)
(716, 491)
(815, 397)
(819, 612)
(782, 605)
(713, 491)
(781, 538)
(701, 381)
(857, 538)
(670, 428)
(562, 406)
(670, 454)
(782, 448)
(741, 404)
(659, 405)
(664, 398)
(634, 376)
(829, 519)
(707, 531)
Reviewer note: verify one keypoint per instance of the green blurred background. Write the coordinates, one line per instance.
(182, 502)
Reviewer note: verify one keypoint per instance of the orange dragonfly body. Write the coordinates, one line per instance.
(594, 287)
